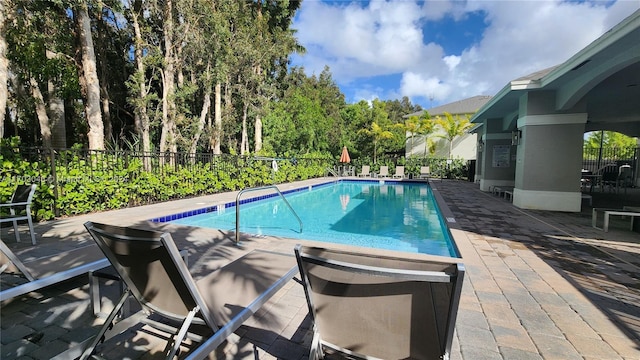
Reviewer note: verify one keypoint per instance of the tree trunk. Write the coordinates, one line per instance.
(106, 111)
(203, 116)
(228, 109)
(141, 115)
(258, 134)
(244, 144)
(217, 129)
(41, 113)
(56, 118)
(168, 138)
(92, 85)
(56, 113)
(4, 68)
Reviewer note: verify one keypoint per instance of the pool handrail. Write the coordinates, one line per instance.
(256, 189)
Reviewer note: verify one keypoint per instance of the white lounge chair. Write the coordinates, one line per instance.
(384, 172)
(399, 174)
(425, 172)
(380, 307)
(366, 171)
(20, 209)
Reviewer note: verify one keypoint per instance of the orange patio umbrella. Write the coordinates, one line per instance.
(344, 157)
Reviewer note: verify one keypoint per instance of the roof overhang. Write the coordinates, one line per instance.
(603, 79)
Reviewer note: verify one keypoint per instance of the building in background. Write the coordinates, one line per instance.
(464, 147)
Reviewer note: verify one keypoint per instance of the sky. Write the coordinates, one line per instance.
(437, 52)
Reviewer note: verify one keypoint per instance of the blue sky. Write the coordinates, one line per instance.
(436, 52)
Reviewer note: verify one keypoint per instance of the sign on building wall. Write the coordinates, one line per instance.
(501, 156)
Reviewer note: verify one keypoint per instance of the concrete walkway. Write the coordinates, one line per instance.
(539, 285)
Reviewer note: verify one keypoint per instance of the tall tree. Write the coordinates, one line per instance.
(426, 128)
(89, 77)
(137, 82)
(378, 133)
(596, 140)
(168, 134)
(453, 127)
(412, 126)
(4, 68)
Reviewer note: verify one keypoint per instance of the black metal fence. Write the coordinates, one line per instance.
(607, 161)
(132, 178)
(113, 179)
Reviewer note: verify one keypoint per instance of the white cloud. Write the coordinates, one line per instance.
(359, 40)
(356, 41)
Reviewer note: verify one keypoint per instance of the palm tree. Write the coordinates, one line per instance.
(412, 126)
(453, 127)
(378, 133)
(426, 128)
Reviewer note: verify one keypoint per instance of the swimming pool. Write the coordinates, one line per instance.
(391, 215)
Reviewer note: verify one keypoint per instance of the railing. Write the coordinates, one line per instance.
(606, 162)
(331, 171)
(256, 189)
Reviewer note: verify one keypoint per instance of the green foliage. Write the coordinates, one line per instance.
(114, 180)
(624, 145)
(453, 127)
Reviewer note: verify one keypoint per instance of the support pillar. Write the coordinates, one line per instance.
(549, 161)
(497, 157)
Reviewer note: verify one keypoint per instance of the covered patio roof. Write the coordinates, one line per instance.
(602, 80)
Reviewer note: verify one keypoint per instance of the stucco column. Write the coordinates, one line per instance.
(549, 161)
(479, 159)
(497, 162)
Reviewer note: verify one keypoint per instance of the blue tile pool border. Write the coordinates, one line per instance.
(232, 204)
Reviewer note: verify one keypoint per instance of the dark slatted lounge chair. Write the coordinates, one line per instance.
(156, 276)
(50, 270)
(379, 306)
(20, 209)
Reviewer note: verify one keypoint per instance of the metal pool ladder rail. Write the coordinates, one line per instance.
(256, 189)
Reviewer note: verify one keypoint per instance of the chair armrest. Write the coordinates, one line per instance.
(14, 204)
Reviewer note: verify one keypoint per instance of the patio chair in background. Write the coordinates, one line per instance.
(625, 178)
(156, 276)
(380, 306)
(384, 172)
(20, 209)
(425, 172)
(609, 176)
(399, 172)
(366, 171)
(49, 270)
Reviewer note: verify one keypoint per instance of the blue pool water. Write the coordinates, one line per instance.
(392, 216)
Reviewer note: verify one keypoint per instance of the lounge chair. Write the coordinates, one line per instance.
(156, 276)
(379, 306)
(366, 171)
(50, 270)
(399, 172)
(384, 172)
(425, 172)
(20, 209)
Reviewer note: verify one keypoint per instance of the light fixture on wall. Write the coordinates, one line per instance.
(516, 135)
(480, 145)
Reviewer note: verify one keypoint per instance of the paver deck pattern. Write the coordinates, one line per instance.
(539, 285)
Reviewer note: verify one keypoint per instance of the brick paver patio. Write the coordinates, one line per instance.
(539, 285)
